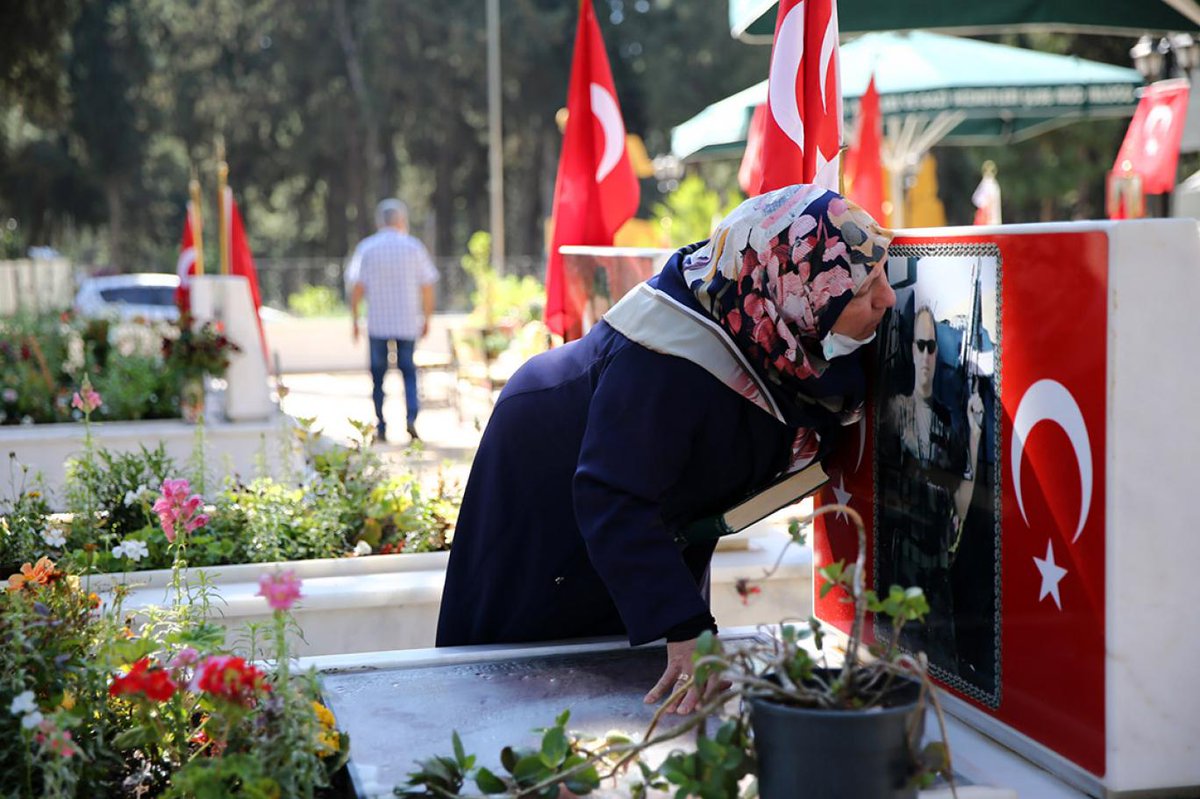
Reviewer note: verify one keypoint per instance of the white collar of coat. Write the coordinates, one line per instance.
(658, 322)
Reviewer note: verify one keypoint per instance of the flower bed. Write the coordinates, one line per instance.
(139, 368)
(92, 704)
(341, 503)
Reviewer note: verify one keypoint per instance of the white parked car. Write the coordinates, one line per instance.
(145, 295)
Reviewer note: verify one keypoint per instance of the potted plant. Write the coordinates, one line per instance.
(196, 351)
(826, 729)
(805, 725)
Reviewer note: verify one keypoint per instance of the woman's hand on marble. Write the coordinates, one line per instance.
(676, 675)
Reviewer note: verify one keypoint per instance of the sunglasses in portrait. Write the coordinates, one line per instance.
(926, 345)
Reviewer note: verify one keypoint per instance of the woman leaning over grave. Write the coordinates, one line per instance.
(723, 371)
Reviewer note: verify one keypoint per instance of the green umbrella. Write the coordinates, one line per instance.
(754, 20)
(938, 89)
(992, 93)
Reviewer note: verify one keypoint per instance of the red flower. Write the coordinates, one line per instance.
(147, 679)
(746, 589)
(231, 678)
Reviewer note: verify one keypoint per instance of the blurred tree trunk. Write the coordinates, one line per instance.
(367, 194)
(116, 223)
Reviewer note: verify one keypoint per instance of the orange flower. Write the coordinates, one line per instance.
(42, 573)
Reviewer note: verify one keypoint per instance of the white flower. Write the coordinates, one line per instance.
(362, 548)
(23, 703)
(135, 496)
(133, 549)
(33, 719)
(54, 538)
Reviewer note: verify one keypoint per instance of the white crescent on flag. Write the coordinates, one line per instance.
(828, 48)
(1156, 126)
(608, 114)
(785, 66)
(1049, 400)
(183, 267)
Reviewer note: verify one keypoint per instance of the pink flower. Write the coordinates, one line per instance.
(87, 399)
(177, 510)
(183, 658)
(281, 589)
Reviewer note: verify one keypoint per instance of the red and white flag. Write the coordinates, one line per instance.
(803, 131)
(864, 159)
(750, 172)
(241, 261)
(596, 189)
(986, 199)
(1151, 145)
(186, 265)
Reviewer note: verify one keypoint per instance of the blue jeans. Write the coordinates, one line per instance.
(404, 362)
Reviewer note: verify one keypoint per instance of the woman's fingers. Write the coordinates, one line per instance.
(665, 684)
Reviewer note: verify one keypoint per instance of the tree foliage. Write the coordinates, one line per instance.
(324, 108)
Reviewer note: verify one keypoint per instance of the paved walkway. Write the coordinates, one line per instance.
(334, 399)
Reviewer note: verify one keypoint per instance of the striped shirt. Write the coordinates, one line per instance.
(392, 267)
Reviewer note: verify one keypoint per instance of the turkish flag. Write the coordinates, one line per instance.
(986, 199)
(1151, 145)
(1028, 582)
(803, 131)
(241, 261)
(864, 161)
(186, 265)
(750, 172)
(596, 189)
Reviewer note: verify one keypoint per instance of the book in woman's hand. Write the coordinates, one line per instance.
(785, 491)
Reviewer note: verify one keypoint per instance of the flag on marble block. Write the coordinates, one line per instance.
(596, 190)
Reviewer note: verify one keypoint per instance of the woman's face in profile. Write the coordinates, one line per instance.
(866, 308)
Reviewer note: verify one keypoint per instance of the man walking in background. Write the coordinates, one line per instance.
(393, 271)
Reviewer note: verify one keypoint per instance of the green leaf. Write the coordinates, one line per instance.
(529, 766)
(554, 747)
(710, 751)
(489, 782)
(134, 737)
(459, 754)
(508, 759)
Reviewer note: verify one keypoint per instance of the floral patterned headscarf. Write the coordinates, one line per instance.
(778, 271)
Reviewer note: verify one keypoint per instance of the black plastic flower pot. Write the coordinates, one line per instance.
(836, 754)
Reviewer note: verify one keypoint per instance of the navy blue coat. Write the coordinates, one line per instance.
(595, 455)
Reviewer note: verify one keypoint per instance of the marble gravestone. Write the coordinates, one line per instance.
(493, 697)
(1044, 505)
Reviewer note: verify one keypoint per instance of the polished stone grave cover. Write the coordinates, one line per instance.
(401, 714)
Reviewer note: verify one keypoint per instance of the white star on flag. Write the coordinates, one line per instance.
(841, 496)
(1052, 574)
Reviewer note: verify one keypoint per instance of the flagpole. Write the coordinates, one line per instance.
(495, 140)
(197, 220)
(222, 210)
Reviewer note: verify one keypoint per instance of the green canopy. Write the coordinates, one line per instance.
(964, 91)
(754, 20)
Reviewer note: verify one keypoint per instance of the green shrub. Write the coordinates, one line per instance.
(316, 301)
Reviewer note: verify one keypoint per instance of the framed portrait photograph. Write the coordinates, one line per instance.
(937, 478)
